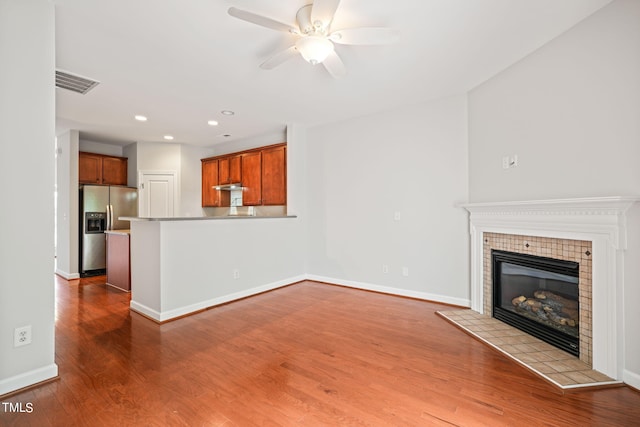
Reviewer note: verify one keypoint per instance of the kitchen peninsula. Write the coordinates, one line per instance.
(183, 265)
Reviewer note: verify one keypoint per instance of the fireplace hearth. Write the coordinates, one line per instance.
(538, 295)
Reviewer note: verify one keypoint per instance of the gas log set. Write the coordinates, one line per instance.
(551, 309)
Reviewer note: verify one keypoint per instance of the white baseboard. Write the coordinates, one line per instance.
(68, 276)
(29, 378)
(631, 378)
(202, 305)
(145, 311)
(392, 291)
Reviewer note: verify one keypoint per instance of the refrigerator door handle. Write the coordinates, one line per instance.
(108, 217)
(111, 215)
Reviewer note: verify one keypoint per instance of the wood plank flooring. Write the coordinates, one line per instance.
(308, 354)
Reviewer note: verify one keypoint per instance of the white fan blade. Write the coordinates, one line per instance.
(263, 21)
(334, 65)
(279, 58)
(364, 36)
(323, 11)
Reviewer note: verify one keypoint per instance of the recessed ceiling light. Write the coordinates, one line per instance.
(169, 137)
(141, 118)
(227, 112)
(212, 123)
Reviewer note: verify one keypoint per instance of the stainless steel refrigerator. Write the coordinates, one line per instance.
(100, 209)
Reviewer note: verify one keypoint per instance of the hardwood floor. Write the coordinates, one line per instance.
(308, 354)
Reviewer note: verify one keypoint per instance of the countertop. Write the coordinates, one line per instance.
(201, 218)
(120, 232)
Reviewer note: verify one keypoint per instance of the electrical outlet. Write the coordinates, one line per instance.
(505, 162)
(405, 271)
(236, 274)
(22, 336)
(385, 268)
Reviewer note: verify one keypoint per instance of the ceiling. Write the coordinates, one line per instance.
(180, 63)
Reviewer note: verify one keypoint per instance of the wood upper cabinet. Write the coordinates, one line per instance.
(101, 169)
(114, 170)
(274, 179)
(252, 178)
(210, 196)
(262, 172)
(230, 170)
(89, 168)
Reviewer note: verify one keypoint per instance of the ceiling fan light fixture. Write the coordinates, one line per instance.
(315, 41)
(314, 49)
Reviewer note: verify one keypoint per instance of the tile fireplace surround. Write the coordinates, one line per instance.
(564, 249)
(552, 228)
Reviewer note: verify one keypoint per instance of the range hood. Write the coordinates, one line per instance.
(228, 187)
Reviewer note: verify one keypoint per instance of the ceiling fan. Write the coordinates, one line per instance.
(316, 38)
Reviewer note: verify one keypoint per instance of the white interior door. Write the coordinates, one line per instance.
(157, 194)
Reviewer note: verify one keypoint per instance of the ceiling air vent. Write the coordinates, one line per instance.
(73, 82)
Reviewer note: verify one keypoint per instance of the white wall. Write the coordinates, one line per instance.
(27, 137)
(67, 245)
(297, 178)
(249, 143)
(630, 298)
(131, 153)
(179, 267)
(101, 148)
(154, 156)
(570, 111)
(180, 158)
(191, 179)
(412, 161)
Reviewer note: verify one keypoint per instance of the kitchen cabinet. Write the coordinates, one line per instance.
(89, 168)
(274, 179)
(100, 169)
(252, 178)
(118, 259)
(210, 196)
(230, 170)
(262, 172)
(114, 170)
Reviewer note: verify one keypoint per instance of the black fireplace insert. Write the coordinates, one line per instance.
(538, 295)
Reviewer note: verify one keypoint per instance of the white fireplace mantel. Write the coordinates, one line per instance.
(602, 221)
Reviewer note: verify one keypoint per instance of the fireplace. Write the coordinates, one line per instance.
(602, 235)
(535, 248)
(538, 295)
